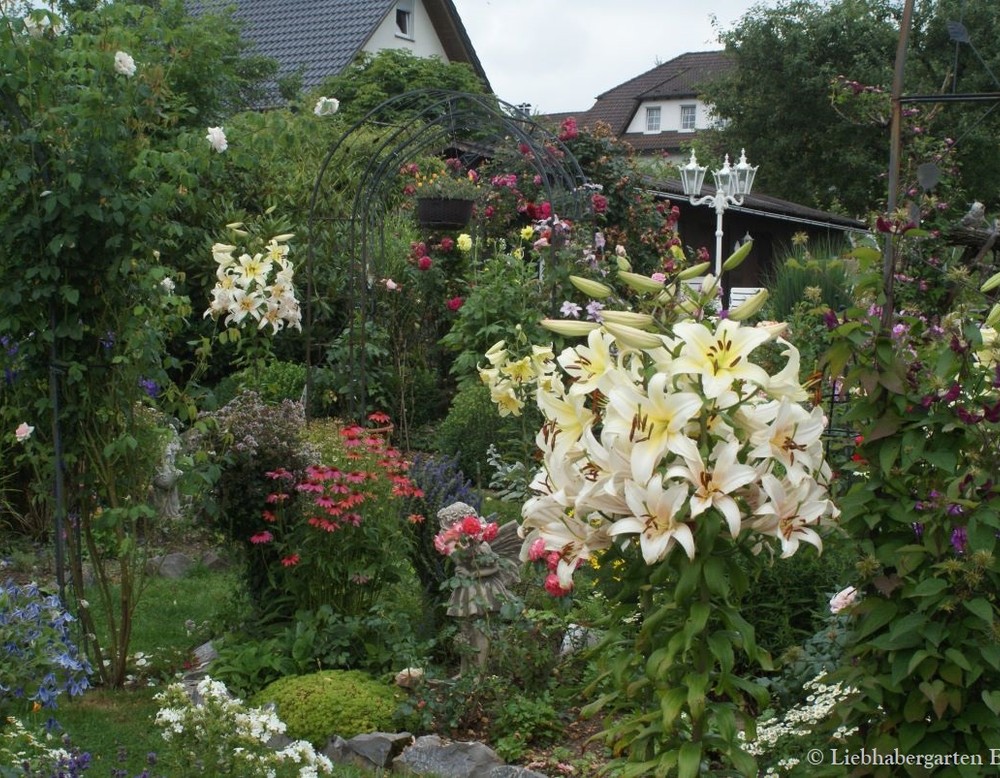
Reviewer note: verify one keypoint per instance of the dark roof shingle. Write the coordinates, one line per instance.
(322, 37)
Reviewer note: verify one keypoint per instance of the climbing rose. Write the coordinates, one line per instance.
(124, 64)
(217, 139)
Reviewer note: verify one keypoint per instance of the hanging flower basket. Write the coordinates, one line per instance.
(443, 212)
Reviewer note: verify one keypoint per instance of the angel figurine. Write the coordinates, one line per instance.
(486, 564)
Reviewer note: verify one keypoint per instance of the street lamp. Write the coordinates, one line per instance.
(732, 184)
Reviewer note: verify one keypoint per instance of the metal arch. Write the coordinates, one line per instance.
(413, 124)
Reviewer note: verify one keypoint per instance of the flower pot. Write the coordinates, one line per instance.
(443, 212)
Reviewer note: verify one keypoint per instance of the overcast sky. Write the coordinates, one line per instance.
(559, 55)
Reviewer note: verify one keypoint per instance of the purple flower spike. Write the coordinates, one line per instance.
(959, 540)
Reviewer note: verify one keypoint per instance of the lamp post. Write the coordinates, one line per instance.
(732, 184)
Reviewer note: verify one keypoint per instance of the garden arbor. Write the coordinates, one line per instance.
(359, 207)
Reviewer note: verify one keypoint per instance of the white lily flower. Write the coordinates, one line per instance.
(653, 421)
(714, 487)
(654, 518)
(719, 358)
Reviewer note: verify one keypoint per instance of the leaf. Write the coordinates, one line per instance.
(689, 760)
(992, 700)
(875, 616)
(981, 608)
(935, 692)
(887, 584)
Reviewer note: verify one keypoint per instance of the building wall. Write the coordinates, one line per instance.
(424, 43)
(670, 115)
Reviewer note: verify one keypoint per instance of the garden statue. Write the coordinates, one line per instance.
(165, 495)
(486, 563)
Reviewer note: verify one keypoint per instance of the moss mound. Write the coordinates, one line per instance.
(331, 702)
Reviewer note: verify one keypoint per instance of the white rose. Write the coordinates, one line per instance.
(326, 106)
(217, 139)
(124, 64)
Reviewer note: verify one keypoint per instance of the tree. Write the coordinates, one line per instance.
(777, 100)
(102, 115)
(374, 78)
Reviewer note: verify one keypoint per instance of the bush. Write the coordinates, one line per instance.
(332, 702)
(472, 426)
(249, 439)
(276, 382)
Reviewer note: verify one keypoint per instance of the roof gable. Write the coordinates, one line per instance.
(677, 78)
(323, 37)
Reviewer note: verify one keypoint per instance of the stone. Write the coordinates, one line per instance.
(431, 755)
(213, 561)
(376, 750)
(410, 677)
(576, 638)
(509, 771)
(172, 566)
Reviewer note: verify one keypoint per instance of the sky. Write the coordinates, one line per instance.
(558, 55)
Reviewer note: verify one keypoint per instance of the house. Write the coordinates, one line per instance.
(319, 38)
(658, 113)
(661, 110)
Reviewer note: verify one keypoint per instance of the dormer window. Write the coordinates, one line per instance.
(653, 119)
(688, 116)
(404, 19)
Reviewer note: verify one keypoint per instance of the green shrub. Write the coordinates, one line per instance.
(332, 702)
(250, 438)
(276, 382)
(473, 425)
(787, 287)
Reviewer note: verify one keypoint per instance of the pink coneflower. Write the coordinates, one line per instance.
(261, 537)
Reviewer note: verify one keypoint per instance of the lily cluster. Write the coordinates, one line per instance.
(648, 428)
(258, 287)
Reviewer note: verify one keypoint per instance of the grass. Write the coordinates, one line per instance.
(117, 726)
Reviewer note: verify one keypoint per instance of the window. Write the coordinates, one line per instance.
(653, 119)
(688, 113)
(404, 18)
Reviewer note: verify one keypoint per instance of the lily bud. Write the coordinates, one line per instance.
(641, 321)
(694, 271)
(635, 338)
(569, 326)
(737, 257)
(591, 288)
(640, 283)
(750, 306)
(991, 283)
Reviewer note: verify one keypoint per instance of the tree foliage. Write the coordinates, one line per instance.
(777, 100)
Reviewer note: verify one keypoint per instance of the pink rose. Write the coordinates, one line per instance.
(843, 599)
(454, 303)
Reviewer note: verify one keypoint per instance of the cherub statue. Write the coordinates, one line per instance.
(486, 563)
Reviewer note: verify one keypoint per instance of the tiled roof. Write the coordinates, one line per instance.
(324, 36)
(763, 204)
